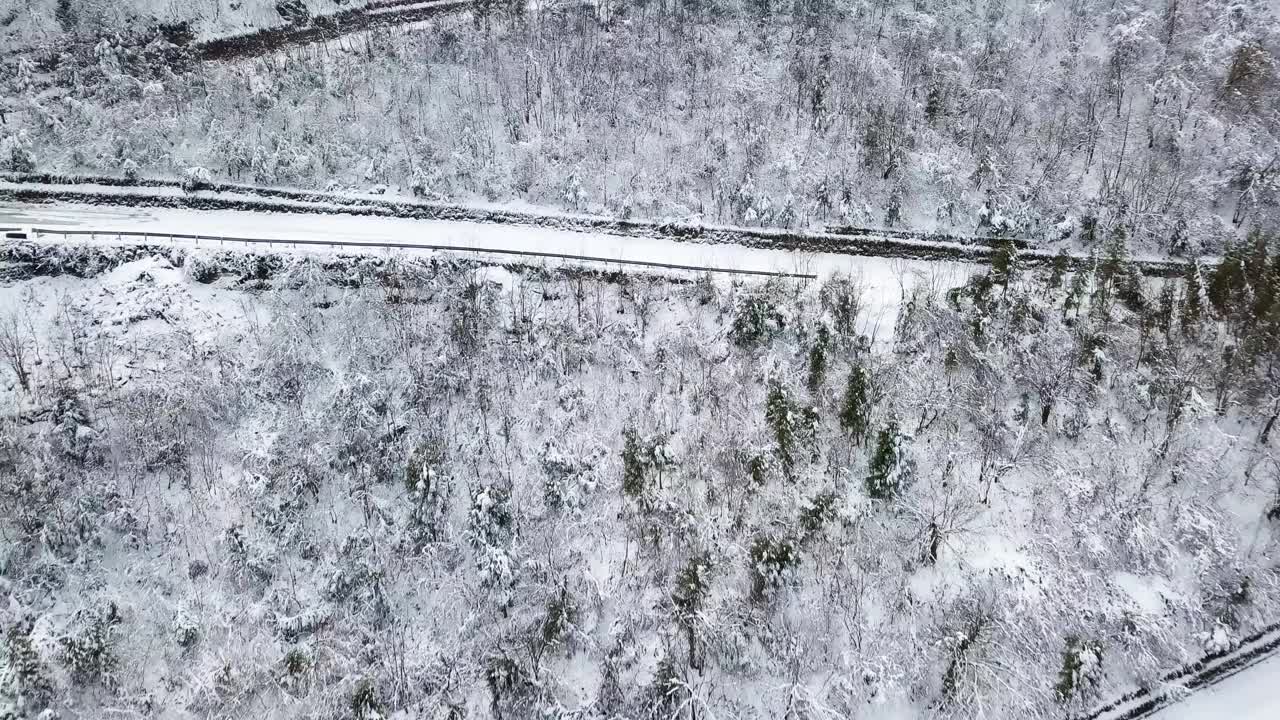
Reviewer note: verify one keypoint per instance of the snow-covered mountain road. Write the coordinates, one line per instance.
(883, 275)
(885, 280)
(1247, 695)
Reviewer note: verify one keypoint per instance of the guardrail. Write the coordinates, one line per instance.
(272, 242)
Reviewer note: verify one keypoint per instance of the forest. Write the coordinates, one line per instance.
(309, 486)
(1030, 119)
(411, 484)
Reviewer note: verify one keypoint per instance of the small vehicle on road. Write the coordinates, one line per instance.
(25, 233)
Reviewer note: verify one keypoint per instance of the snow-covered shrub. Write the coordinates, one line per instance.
(561, 618)
(359, 577)
(202, 267)
(1218, 640)
(512, 690)
(689, 596)
(855, 406)
(817, 513)
(568, 480)
(185, 631)
(196, 178)
(251, 558)
(15, 153)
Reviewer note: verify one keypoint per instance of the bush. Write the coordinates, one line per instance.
(196, 178)
(15, 154)
(201, 268)
(818, 360)
(185, 632)
(780, 416)
(296, 662)
(512, 694)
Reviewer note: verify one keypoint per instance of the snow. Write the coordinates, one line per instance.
(1147, 593)
(1248, 695)
(886, 280)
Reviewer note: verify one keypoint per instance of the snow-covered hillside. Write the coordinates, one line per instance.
(320, 486)
(1039, 119)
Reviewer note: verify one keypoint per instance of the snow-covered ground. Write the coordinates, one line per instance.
(884, 278)
(1247, 695)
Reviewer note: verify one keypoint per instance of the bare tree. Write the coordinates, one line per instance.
(17, 340)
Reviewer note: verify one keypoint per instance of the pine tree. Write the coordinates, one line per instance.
(28, 675)
(1059, 269)
(1081, 668)
(818, 359)
(1192, 307)
(693, 584)
(1074, 295)
(1003, 262)
(890, 470)
(777, 412)
(633, 464)
(1164, 315)
(856, 408)
(1226, 279)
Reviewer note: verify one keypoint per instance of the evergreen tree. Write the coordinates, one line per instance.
(633, 464)
(778, 414)
(1257, 274)
(818, 359)
(693, 585)
(1192, 307)
(1003, 263)
(1074, 295)
(890, 470)
(28, 682)
(1226, 279)
(856, 408)
(1164, 314)
(1081, 668)
(1059, 269)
